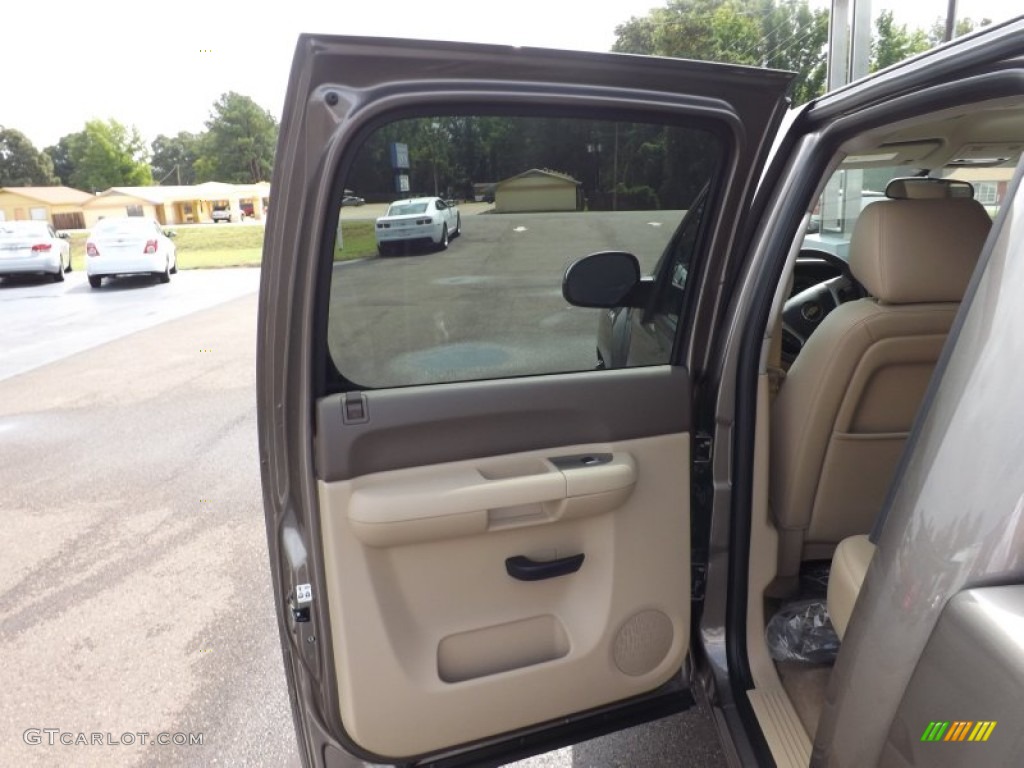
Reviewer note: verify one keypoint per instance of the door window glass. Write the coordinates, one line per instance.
(425, 293)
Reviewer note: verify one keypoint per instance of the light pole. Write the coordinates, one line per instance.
(615, 171)
(434, 148)
(595, 150)
(849, 57)
(175, 170)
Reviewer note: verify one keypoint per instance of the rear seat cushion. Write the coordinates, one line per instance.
(849, 566)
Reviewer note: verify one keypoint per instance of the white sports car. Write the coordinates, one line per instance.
(129, 246)
(420, 219)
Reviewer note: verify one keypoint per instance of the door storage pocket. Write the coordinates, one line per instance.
(501, 648)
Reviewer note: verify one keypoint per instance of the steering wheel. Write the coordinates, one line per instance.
(803, 312)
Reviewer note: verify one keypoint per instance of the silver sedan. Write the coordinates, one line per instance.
(33, 247)
(129, 246)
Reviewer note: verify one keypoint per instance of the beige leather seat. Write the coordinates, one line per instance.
(842, 415)
(849, 567)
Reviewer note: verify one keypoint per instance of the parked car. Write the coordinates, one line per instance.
(33, 247)
(247, 210)
(352, 200)
(417, 220)
(222, 213)
(129, 245)
(481, 547)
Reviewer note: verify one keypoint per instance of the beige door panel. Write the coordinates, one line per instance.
(441, 646)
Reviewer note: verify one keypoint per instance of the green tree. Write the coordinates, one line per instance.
(893, 42)
(619, 165)
(21, 164)
(782, 34)
(108, 154)
(174, 158)
(239, 143)
(963, 26)
(796, 38)
(62, 154)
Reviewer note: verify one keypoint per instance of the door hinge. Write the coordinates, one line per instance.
(698, 580)
(703, 448)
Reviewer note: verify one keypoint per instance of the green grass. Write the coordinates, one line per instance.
(77, 241)
(212, 246)
(359, 241)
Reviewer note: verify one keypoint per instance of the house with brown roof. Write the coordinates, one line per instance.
(60, 206)
(67, 208)
(179, 204)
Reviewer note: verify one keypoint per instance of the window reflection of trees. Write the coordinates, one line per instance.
(622, 166)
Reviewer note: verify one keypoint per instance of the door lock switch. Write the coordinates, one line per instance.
(354, 408)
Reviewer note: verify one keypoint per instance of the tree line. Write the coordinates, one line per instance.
(237, 146)
(617, 164)
(240, 137)
(780, 34)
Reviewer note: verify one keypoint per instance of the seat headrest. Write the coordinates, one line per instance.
(918, 251)
(926, 188)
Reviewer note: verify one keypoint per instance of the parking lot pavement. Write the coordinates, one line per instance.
(44, 321)
(493, 297)
(134, 589)
(686, 739)
(374, 210)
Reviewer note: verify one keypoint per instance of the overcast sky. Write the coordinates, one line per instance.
(160, 66)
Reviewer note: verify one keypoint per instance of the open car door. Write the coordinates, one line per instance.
(479, 539)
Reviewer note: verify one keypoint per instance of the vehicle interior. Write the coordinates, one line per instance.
(847, 360)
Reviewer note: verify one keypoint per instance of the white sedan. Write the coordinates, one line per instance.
(130, 245)
(420, 219)
(33, 247)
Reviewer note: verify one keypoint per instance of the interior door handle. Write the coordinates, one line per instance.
(422, 504)
(525, 569)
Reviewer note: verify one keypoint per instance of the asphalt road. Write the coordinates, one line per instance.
(134, 593)
(44, 322)
(490, 305)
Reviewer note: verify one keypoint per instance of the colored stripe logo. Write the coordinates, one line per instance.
(958, 730)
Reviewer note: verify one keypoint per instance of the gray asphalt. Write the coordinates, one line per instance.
(490, 305)
(44, 322)
(134, 591)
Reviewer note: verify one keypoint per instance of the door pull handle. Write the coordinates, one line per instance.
(525, 569)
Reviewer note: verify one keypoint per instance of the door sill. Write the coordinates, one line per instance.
(782, 729)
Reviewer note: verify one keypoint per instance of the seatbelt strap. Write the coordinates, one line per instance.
(776, 373)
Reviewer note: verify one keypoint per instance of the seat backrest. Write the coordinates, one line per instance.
(849, 567)
(843, 413)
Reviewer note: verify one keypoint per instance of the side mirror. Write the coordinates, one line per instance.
(170, 233)
(451, 203)
(603, 279)
(64, 235)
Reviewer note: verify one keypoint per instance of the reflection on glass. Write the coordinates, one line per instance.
(474, 221)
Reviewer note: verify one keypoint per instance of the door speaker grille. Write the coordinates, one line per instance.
(643, 642)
